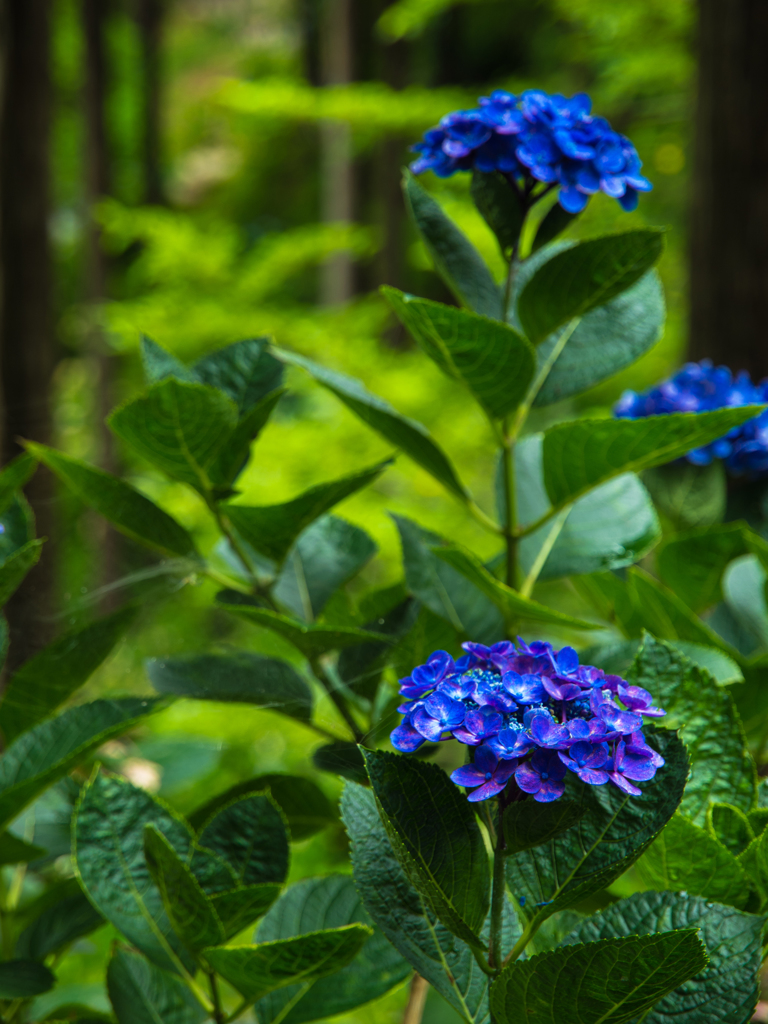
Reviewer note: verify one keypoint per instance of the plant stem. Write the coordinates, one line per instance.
(218, 1012)
(337, 699)
(514, 266)
(525, 406)
(510, 508)
(496, 952)
(417, 997)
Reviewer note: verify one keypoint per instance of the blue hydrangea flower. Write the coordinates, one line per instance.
(700, 387)
(530, 711)
(537, 137)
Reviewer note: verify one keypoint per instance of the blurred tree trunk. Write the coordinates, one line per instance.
(150, 15)
(26, 319)
(729, 217)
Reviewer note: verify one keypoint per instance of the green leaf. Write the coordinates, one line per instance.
(272, 529)
(495, 363)
(554, 223)
(18, 523)
(584, 276)
(428, 633)
(616, 658)
(722, 769)
(443, 589)
(615, 980)
(608, 528)
(53, 748)
(245, 371)
(256, 970)
(189, 910)
(528, 824)
(51, 676)
(456, 260)
(390, 612)
(22, 979)
(730, 826)
(406, 434)
(128, 510)
(142, 993)
(692, 563)
(58, 925)
(686, 857)
(14, 476)
(500, 207)
(580, 454)
(743, 587)
(326, 555)
(15, 851)
(305, 806)
(108, 844)
(612, 834)
(754, 862)
(15, 568)
(509, 601)
(434, 833)
(312, 905)
(724, 993)
(403, 916)
(239, 676)
(249, 834)
(233, 457)
(240, 907)
(688, 495)
(158, 364)
(341, 758)
(180, 428)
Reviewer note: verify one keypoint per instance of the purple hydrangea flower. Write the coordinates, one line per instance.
(436, 715)
(588, 761)
(542, 776)
(486, 772)
(630, 764)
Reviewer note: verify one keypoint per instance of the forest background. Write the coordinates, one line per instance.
(203, 171)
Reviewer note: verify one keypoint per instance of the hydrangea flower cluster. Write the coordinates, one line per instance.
(530, 712)
(537, 137)
(699, 387)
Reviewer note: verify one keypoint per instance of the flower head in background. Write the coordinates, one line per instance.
(537, 137)
(532, 713)
(700, 387)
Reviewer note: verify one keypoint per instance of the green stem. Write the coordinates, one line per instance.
(543, 553)
(482, 963)
(519, 947)
(514, 266)
(525, 406)
(496, 951)
(337, 699)
(510, 509)
(218, 1012)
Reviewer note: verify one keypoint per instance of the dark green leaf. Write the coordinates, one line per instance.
(15, 568)
(18, 527)
(401, 913)
(232, 459)
(553, 224)
(615, 658)
(312, 905)
(686, 857)
(456, 260)
(181, 428)
(500, 207)
(240, 676)
(754, 862)
(442, 588)
(509, 601)
(14, 476)
(688, 495)
(722, 769)
(724, 993)
(50, 750)
(693, 563)
(15, 851)
(528, 824)
(360, 666)
(616, 980)
(189, 910)
(108, 843)
(429, 633)
(249, 834)
(612, 834)
(434, 833)
(158, 364)
(51, 676)
(240, 907)
(142, 993)
(730, 826)
(21, 979)
(743, 585)
(256, 970)
(341, 758)
(580, 454)
(305, 806)
(584, 276)
(495, 363)
(272, 529)
(245, 371)
(406, 434)
(57, 926)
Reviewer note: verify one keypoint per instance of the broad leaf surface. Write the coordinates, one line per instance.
(158, 364)
(143, 993)
(612, 834)
(499, 206)
(312, 905)
(246, 371)
(495, 363)
(16, 851)
(692, 563)
(240, 907)
(14, 476)
(58, 925)
(730, 826)
(240, 676)
(341, 758)
(128, 510)
(689, 496)
(616, 658)
(456, 260)
(52, 675)
(434, 832)
(528, 824)
(15, 568)
(726, 990)
(614, 981)
(21, 979)
(249, 834)
(743, 585)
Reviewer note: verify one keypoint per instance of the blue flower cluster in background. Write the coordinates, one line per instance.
(699, 387)
(537, 137)
(530, 712)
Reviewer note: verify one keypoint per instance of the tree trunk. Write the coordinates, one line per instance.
(729, 217)
(150, 16)
(26, 321)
